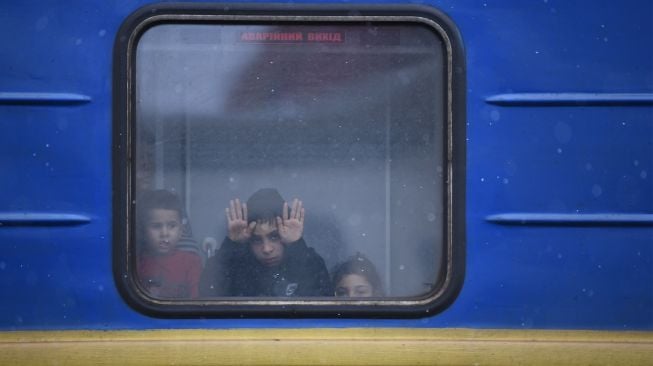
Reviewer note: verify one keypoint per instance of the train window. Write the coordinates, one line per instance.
(289, 161)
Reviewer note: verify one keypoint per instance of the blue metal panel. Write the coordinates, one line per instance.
(544, 158)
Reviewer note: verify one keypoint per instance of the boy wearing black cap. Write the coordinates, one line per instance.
(264, 253)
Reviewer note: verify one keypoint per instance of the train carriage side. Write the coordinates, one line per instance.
(552, 133)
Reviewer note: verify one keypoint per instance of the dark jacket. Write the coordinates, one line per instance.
(235, 271)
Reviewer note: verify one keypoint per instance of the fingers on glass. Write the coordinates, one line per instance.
(239, 210)
(236, 211)
(232, 210)
(293, 211)
(285, 212)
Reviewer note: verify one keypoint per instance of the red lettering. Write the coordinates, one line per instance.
(271, 37)
(325, 37)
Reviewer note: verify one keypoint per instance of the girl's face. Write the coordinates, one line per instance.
(354, 285)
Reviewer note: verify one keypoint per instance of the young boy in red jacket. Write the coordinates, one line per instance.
(163, 270)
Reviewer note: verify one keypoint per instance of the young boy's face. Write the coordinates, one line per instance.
(162, 230)
(266, 244)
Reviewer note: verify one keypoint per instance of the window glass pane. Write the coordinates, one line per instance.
(350, 119)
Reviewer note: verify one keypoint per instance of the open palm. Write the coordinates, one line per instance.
(237, 226)
(291, 224)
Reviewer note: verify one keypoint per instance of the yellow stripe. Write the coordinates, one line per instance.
(385, 346)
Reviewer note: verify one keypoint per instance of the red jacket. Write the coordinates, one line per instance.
(172, 275)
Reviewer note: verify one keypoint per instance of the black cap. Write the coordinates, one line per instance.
(265, 204)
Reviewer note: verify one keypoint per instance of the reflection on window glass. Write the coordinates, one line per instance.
(307, 159)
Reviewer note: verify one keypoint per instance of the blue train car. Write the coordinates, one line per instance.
(493, 159)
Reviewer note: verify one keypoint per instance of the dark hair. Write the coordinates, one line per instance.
(359, 265)
(264, 205)
(157, 199)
